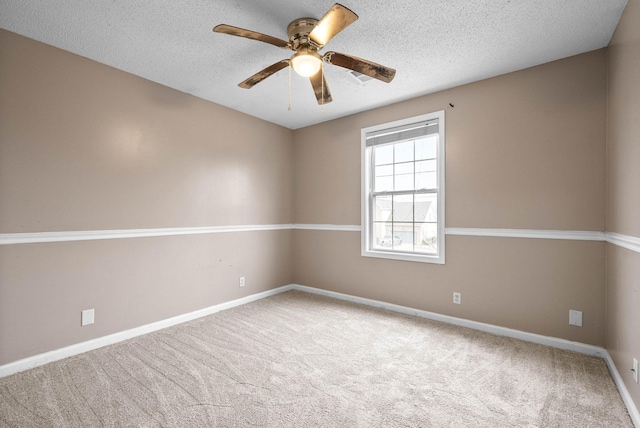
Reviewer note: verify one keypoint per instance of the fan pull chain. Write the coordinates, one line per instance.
(289, 87)
(322, 71)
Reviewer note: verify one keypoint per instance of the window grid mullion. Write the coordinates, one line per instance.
(372, 184)
(413, 218)
(413, 202)
(404, 192)
(395, 222)
(393, 213)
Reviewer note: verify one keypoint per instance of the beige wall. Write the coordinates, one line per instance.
(623, 195)
(87, 147)
(524, 150)
(524, 284)
(129, 283)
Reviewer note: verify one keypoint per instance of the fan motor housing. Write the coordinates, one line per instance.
(298, 32)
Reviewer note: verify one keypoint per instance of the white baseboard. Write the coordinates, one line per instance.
(624, 392)
(554, 342)
(79, 348)
(41, 359)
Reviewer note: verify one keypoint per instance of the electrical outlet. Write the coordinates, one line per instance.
(457, 298)
(575, 318)
(242, 281)
(87, 317)
(635, 370)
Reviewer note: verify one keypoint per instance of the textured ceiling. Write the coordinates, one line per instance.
(433, 45)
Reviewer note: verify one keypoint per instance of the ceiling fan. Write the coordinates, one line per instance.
(306, 37)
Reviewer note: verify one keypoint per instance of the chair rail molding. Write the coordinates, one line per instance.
(629, 242)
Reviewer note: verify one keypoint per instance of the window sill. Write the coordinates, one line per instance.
(427, 258)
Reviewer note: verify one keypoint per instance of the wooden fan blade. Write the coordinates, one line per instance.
(319, 84)
(335, 20)
(263, 74)
(253, 35)
(360, 65)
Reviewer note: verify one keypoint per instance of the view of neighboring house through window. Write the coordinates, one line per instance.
(403, 189)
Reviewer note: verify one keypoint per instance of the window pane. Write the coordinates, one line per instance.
(383, 155)
(404, 182)
(404, 152)
(427, 237)
(381, 235)
(403, 208)
(383, 183)
(382, 206)
(402, 236)
(426, 166)
(404, 168)
(381, 171)
(404, 176)
(426, 208)
(427, 180)
(426, 148)
(383, 178)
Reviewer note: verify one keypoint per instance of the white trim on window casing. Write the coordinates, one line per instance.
(365, 247)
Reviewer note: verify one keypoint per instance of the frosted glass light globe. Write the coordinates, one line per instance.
(306, 64)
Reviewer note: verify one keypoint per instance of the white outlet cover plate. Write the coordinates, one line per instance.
(457, 298)
(635, 370)
(87, 317)
(575, 318)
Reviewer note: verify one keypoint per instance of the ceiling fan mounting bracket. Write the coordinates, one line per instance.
(298, 31)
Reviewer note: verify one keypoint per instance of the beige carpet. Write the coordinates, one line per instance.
(298, 360)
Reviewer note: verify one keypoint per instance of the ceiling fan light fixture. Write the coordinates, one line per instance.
(305, 37)
(306, 63)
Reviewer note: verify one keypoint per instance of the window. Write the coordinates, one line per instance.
(403, 189)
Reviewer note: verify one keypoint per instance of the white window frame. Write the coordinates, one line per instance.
(367, 200)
